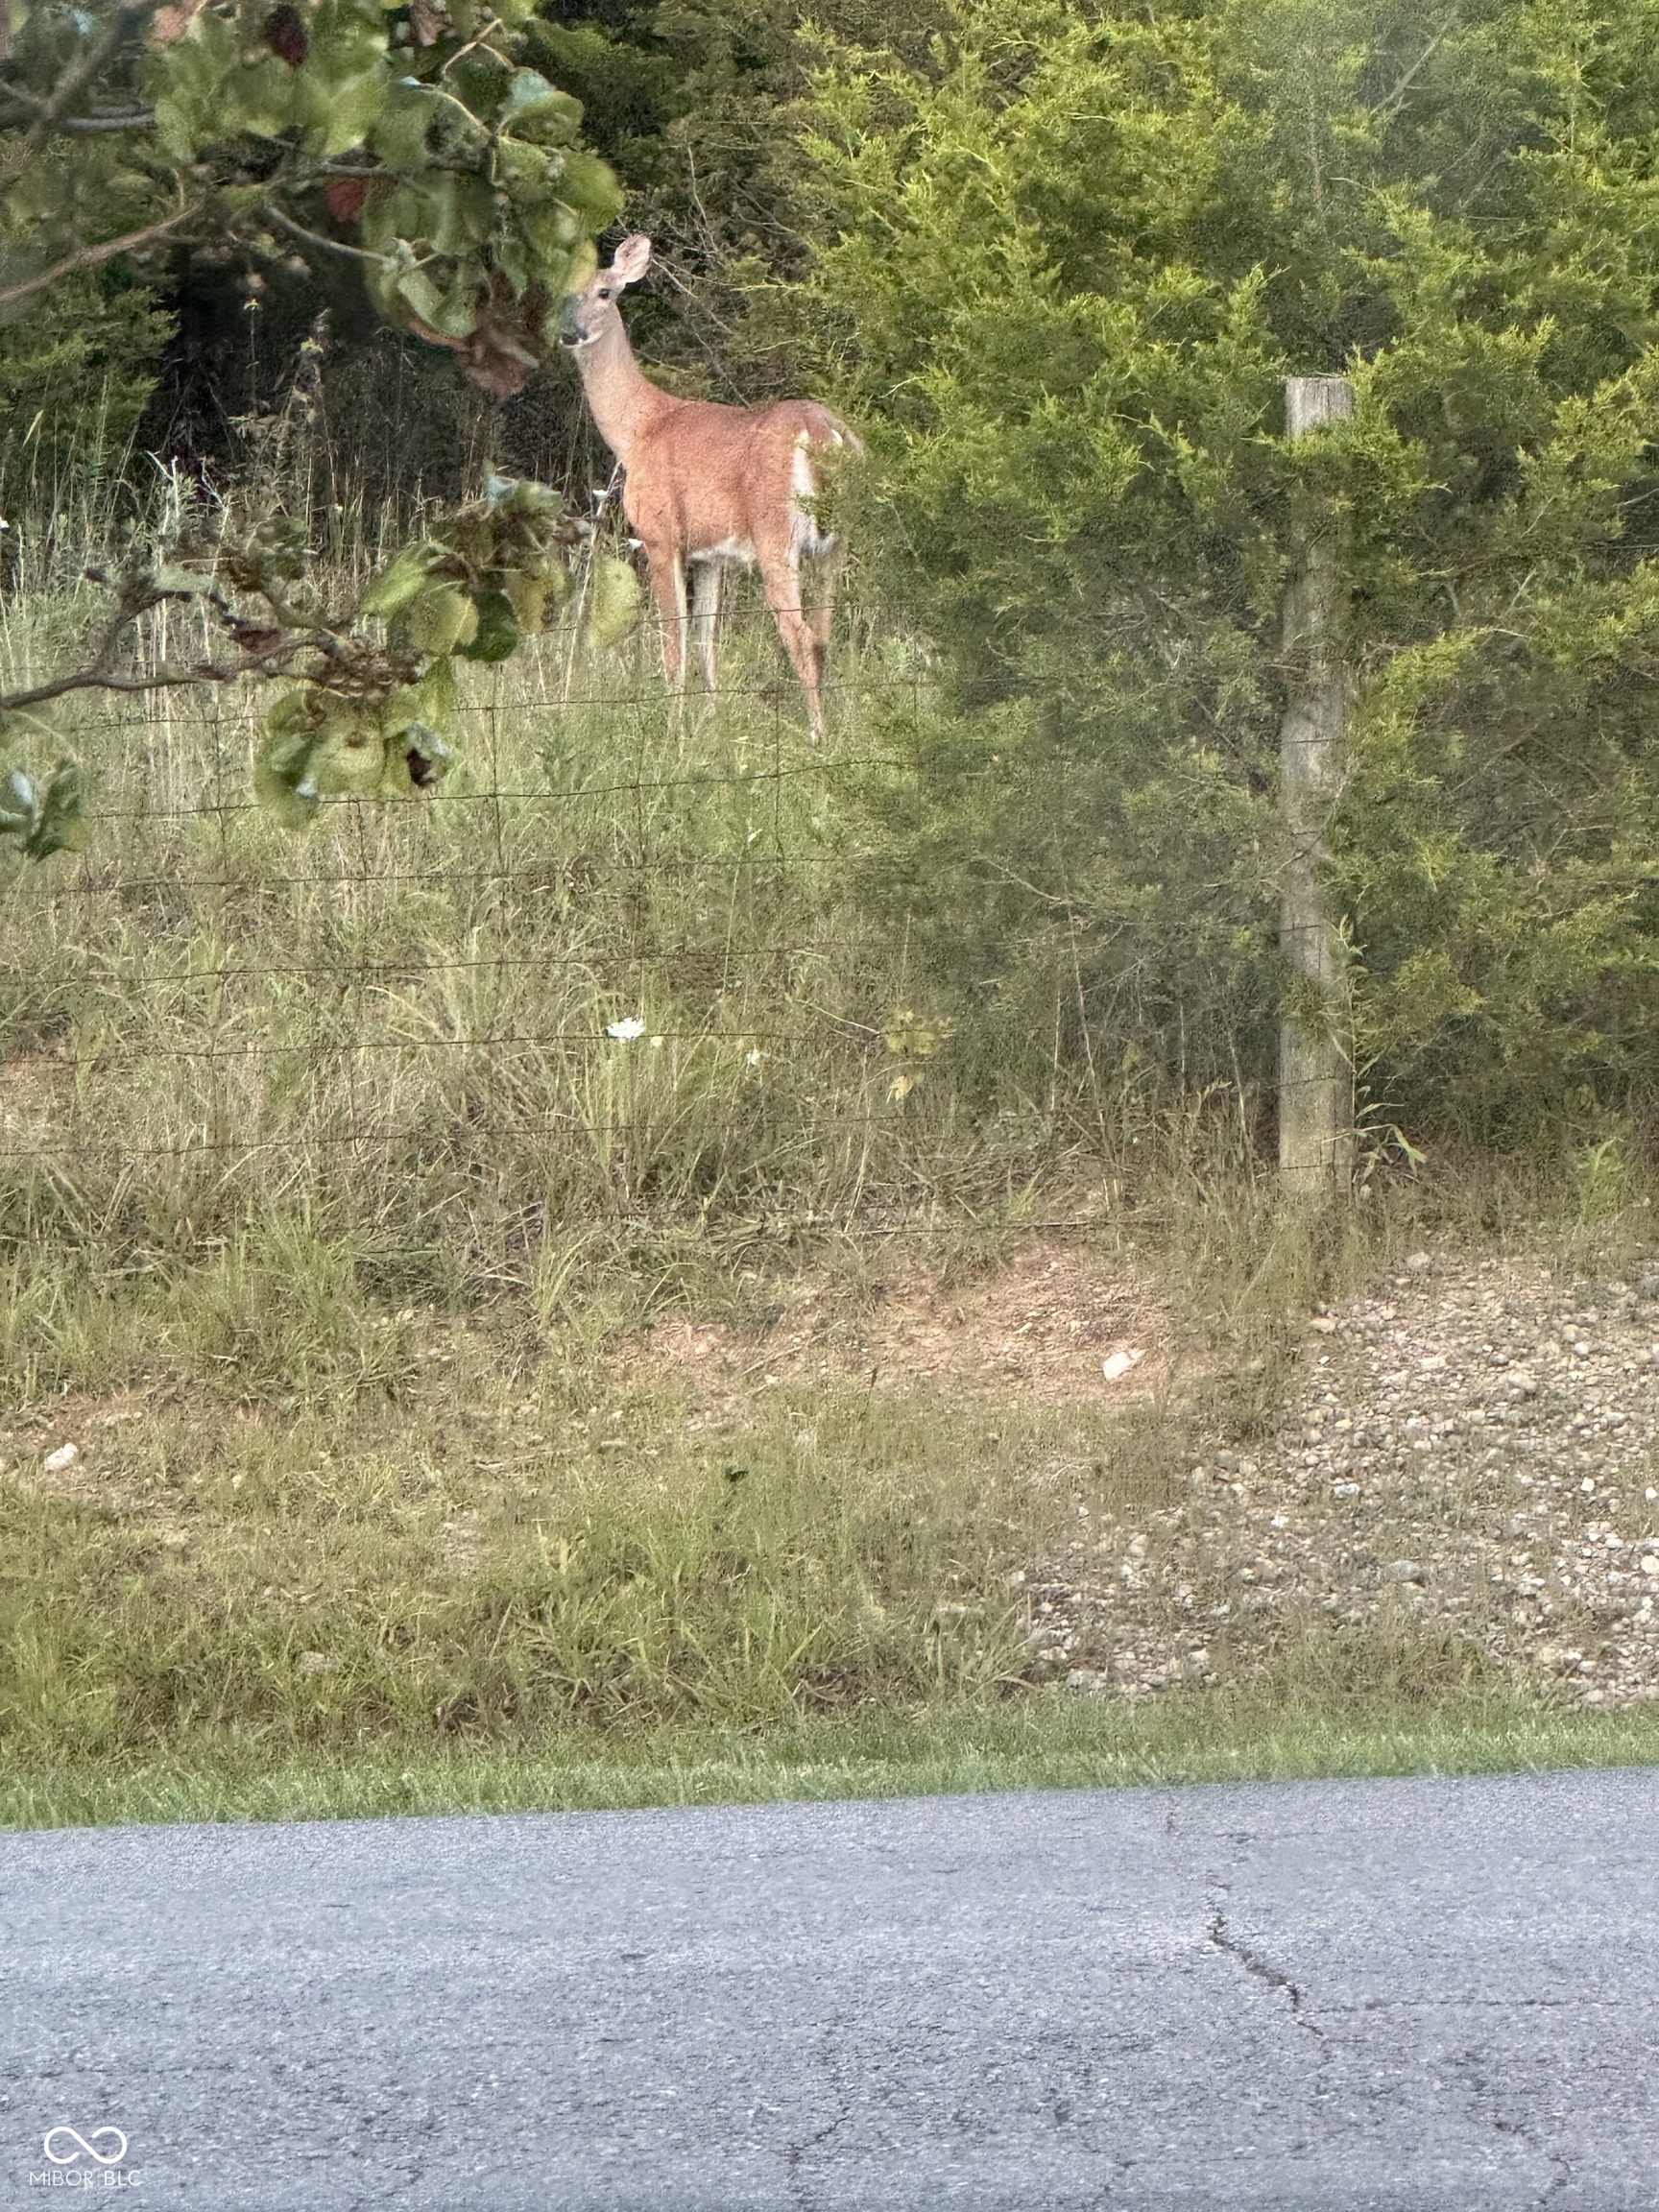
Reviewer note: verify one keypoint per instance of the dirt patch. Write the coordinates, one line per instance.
(1055, 1326)
(126, 1452)
(1470, 1466)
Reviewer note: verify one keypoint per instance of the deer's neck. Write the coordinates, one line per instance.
(623, 398)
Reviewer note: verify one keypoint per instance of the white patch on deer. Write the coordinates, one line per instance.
(729, 549)
(805, 539)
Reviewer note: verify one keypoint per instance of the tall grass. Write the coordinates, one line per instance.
(261, 1090)
(376, 1054)
(321, 1596)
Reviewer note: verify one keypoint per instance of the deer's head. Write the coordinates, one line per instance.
(592, 315)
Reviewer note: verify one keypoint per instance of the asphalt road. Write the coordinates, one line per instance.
(1435, 1994)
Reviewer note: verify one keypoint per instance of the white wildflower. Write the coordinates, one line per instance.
(626, 1030)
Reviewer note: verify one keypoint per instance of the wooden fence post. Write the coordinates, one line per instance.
(1315, 1052)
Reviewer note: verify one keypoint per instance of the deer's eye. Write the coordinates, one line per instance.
(604, 291)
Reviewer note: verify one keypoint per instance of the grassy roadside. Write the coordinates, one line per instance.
(350, 1187)
(555, 1570)
(1046, 1741)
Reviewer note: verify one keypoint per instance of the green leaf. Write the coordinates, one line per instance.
(41, 823)
(552, 229)
(498, 632)
(528, 597)
(590, 188)
(281, 780)
(612, 600)
(398, 134)
(437, 689)
(395, 587)
(343, 755)
(531, 99)
(17, 806)
(262, 98)
(441, 619)
(417, 758)
(353, 112)
(457, 317)
(441, 218)
(297, 714)
(522, 169)
(519, 495)
(418, 289)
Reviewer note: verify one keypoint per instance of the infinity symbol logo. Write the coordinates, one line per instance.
(81, 2143)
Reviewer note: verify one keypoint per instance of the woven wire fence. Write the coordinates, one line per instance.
(633, 953)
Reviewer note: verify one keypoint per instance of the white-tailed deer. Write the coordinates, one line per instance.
(705, 485)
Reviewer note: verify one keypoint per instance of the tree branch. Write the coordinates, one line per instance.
(1385, 106)
(141, 119)
(94, 678)
(76, 78)
(30, 104)
(90, 257)
(315, 237)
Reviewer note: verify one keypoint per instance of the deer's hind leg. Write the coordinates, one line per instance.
(781, 575)
(708, 580)
(828, 558)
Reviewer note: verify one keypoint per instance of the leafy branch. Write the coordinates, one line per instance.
(411, 139)
(371, 707)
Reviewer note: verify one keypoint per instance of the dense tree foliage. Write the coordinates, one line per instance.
(75, 376)
(1063, 266)
(690, 106)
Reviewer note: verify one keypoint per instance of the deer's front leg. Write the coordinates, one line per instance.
(668, 589)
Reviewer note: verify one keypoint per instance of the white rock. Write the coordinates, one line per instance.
(1119, 1363)
(1651, 1565)
(318, 1663)
(1417, 1262)
(60, 1462)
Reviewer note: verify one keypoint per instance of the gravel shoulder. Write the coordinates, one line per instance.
(1466, 1480)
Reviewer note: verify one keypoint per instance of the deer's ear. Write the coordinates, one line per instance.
(632, 259)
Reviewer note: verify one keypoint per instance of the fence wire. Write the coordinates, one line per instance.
(701, 955)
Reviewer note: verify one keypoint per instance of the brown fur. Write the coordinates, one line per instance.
(703, 480)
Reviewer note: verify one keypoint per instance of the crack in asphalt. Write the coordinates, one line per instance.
(1480, 2095)
(803, 2188)
(1264, 1969)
